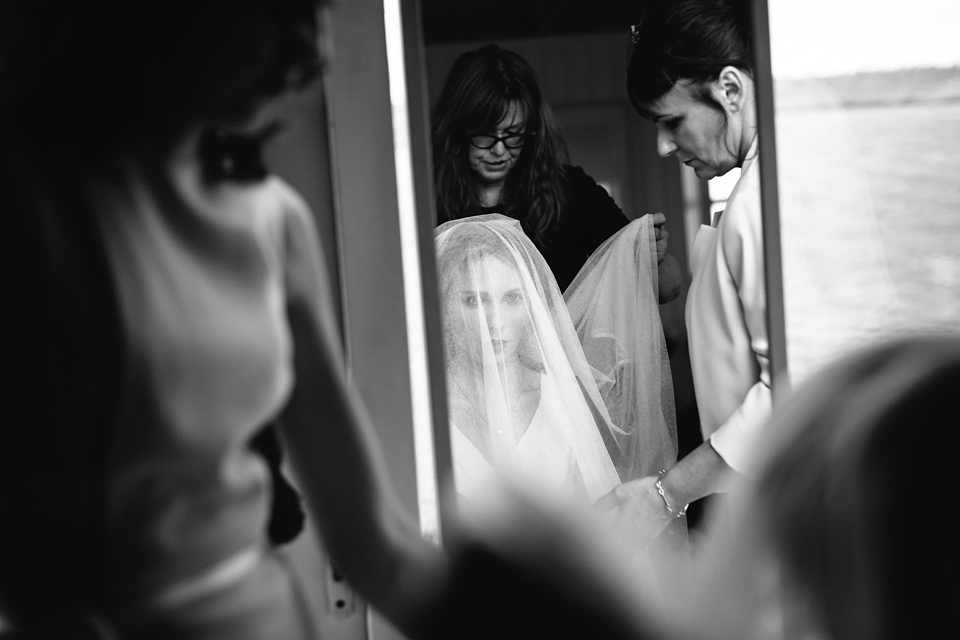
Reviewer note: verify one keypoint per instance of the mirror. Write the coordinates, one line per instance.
(578, 55)
(867, 150)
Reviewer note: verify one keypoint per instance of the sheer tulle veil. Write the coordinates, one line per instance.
(613, 303)
(526, 398)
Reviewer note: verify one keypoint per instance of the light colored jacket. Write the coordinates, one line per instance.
(726, 322)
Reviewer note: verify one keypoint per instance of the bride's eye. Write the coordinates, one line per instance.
(513, 297)
(471, 300)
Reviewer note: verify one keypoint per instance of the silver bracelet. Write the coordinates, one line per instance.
(670, 510)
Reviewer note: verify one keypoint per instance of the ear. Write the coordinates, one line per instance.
(729, 89)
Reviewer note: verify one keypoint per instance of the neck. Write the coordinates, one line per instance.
(512, 370)
(490, 194)
(750, 127)
(749, 136)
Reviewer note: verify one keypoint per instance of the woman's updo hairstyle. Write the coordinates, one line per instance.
(690, 40)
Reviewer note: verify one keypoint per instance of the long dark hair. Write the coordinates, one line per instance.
(478, 91)
(686, 40)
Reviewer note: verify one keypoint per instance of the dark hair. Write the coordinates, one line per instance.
(686, 40)
(476, 95)
(87, 79)
(863, 454)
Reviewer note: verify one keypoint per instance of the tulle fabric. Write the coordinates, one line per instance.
(613, 304)
(524, 399)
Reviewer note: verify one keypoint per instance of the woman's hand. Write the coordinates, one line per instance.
(669, 278)
(661, 235)
(642, 514)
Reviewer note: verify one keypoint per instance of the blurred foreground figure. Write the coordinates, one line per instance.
(838, 537)
(167, 299)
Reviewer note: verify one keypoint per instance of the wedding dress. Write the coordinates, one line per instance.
(543, 459)
(537, 395)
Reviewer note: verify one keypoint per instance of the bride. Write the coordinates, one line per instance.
(567, 397)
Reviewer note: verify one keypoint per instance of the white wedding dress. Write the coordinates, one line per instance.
(542, 460)
(503, 313)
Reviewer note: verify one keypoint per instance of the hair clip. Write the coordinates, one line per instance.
(635, 32)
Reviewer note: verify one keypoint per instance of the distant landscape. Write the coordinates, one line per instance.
(869, 180)
(876, 88)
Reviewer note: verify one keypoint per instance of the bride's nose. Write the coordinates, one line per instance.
(494, 318)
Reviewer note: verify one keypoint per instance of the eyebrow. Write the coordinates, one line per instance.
(650, 115)
(513, 128)
(656, 117)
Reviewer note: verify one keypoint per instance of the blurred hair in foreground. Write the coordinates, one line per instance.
(93, 79)
(839, 534)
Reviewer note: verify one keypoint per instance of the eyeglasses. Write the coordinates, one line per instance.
(510, 141)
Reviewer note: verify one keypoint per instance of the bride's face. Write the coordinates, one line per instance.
(491, 295)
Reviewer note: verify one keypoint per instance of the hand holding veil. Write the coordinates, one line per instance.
(613, 303)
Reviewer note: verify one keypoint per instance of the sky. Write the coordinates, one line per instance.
(817, 38)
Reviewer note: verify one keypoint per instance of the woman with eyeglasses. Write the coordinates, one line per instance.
(497, 149)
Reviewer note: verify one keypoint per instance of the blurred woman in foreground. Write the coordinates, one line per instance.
(168, 299)
(831, 539)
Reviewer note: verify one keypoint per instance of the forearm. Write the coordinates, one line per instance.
(669, 279)
(698, 474)
(338, 463)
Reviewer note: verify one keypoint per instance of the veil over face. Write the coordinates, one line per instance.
(524, 400)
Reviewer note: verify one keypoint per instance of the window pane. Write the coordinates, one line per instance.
(868, 151)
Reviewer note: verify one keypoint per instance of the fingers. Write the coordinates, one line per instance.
(609, 500)
(660, 233)
(658, 219)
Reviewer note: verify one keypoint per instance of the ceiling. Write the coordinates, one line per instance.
(448, 21)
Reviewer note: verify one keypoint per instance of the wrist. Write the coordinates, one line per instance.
(674, 507)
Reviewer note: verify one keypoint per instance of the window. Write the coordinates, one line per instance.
(868, 150)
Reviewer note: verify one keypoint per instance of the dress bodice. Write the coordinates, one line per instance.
(543, 458)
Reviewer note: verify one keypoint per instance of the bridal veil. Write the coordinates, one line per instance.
(572, 396)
